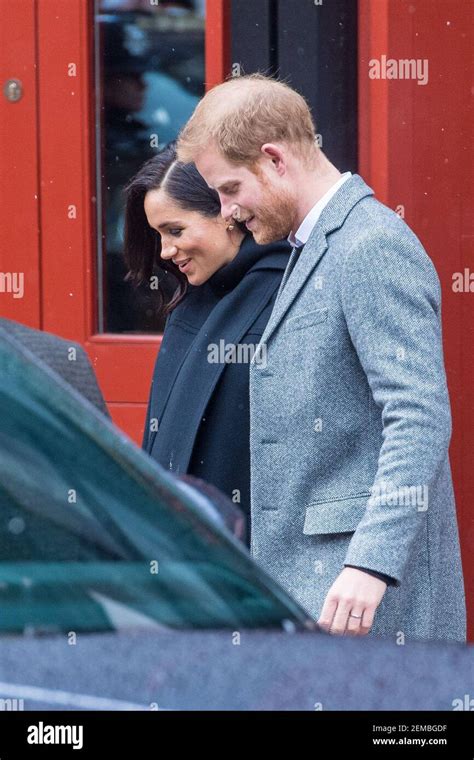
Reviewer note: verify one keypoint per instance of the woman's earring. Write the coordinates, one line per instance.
(230, 226)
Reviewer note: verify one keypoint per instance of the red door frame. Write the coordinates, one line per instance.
(19, 175)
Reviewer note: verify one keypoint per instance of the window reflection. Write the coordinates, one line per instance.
(149, 77)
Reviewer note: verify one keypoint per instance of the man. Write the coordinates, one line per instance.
(351, 498)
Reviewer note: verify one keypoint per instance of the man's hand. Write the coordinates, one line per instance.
(351, 602)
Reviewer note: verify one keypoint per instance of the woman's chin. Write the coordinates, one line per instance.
(200, 277)
(195, 279)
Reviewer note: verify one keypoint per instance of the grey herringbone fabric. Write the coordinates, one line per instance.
(351, 424)
(56, 353)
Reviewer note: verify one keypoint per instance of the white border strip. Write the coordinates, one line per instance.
(58, 697)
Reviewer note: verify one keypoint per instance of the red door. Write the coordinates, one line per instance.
(68, 164)
(49, 186)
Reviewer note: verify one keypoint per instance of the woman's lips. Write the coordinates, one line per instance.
(183, 265)
(249, 221)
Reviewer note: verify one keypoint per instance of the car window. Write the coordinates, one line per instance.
(95, 535)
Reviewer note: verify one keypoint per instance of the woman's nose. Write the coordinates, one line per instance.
(168, 251)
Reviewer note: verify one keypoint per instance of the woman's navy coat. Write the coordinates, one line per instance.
(201, 408)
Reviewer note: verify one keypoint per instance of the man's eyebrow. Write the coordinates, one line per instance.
(229, 182)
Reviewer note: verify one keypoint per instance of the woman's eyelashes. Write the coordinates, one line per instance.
(174, 231)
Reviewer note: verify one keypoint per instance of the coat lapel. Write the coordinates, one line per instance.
(300, 266)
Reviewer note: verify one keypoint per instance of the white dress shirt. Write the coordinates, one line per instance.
(304, 230)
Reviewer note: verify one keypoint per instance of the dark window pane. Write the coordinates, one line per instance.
(149, 76)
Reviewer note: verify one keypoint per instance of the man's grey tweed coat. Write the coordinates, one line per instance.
(350, 423)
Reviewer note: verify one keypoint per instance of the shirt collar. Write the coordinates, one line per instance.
(304, 230)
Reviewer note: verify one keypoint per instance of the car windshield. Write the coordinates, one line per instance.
(94, 535)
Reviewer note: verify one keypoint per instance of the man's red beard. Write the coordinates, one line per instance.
(274, 217)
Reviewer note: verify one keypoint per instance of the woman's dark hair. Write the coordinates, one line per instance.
(142, 244)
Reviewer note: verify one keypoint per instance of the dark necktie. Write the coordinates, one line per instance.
(295, 254)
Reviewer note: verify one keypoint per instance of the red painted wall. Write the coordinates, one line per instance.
(416, 151)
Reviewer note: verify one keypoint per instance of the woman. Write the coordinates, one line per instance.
(225, 287)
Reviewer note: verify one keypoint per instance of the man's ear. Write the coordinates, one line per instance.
(276, 155)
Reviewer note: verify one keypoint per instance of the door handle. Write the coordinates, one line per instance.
(13, 90)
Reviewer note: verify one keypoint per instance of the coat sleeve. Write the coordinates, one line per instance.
(391, 300)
